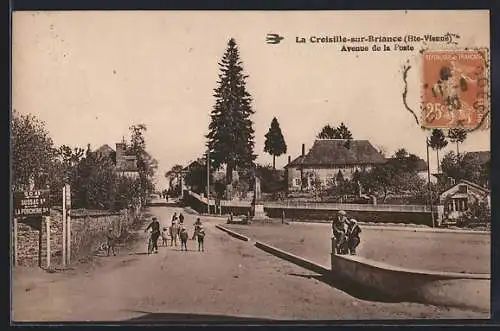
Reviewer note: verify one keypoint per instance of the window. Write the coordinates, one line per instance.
(462, 189)
(296, 182)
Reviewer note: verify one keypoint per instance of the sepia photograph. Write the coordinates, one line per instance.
(253, 166)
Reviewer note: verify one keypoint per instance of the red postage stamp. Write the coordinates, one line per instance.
(455, 89)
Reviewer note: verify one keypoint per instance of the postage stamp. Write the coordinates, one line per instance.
(455, 89)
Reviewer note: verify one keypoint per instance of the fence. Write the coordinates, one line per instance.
(322, 206)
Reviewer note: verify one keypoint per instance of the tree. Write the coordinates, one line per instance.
(275, 142)
(466, 167)
(437, 141)
(231, 133)
(70, 158)
(95, 186)
(340, 132)
(32, 151)
(327, 132)
(196, 178)
(271, 181)
(457, 136)
(146, 165)
(343, 132)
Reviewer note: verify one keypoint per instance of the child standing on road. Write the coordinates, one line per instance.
(174, 232)
(164, 236)
(201, 236)
(111, 242)
(196, 227)
(184, 238)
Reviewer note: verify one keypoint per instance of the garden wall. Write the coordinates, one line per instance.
(88, 230)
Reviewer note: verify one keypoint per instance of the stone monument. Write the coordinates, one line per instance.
(258, 206)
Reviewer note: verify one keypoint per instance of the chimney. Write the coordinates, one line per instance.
(289, 159)
(303, 149)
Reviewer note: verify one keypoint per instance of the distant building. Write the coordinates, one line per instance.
(328, 157)
(125, 163)
(456, 201)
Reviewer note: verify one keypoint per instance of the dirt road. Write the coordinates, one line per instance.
(230, 279)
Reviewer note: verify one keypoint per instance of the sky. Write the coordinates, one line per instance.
(91, 75)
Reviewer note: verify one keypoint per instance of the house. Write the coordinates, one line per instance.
(328, 157)
(457, 200)
(125, 163)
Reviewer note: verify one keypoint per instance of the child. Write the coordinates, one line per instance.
(196, 227)
(174, 232)
(201, 236)
(184, 238)
(164, 236)
(110, 242)
(353, 238)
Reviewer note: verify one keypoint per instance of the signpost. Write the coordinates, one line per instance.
(32, 204)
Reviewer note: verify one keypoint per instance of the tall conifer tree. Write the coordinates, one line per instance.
(231, 133)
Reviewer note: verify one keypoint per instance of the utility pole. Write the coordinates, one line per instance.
(429, 179)
(208, 181)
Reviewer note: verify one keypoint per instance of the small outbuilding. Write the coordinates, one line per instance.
(456, 201)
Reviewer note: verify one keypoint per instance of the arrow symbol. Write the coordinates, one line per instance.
(273, 38)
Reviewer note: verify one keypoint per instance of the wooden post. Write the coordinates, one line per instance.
(47, 226)
(68, 225)
(40, 243)
(15, 241)
(64, 227)
(208, 182)
(68, 245)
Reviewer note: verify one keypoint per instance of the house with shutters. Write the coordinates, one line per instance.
(328, 157)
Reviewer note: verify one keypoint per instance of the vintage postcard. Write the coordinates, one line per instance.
(201, 166)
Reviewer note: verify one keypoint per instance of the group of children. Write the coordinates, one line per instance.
(346, 232)
(177, 229)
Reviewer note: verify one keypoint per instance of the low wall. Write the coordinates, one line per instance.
(437, 288)
(304, 263)
(385, 214)
(232, 233)
(87, 233)
(422, 218)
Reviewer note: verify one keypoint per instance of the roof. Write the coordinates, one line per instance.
(295, 162)
(105, 150)
(468, 183)
(482, 156)
(329, 152)
(479, 187)
(197, 162)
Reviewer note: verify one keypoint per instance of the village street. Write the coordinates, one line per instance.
(230, 279)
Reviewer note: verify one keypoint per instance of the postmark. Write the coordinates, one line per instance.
(455, 89)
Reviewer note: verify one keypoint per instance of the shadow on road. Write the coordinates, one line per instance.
(350, 287)
(190, 318)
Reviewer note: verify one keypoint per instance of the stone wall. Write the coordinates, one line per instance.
(88, 230)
